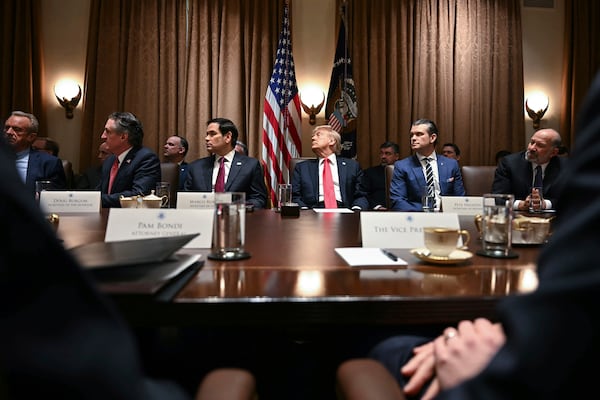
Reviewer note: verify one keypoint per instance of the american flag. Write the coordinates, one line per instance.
(282, 120)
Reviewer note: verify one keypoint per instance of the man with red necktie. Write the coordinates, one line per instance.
(328, 181)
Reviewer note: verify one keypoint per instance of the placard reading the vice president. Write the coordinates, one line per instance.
(59, 201)
(144, 223)
(401, 230)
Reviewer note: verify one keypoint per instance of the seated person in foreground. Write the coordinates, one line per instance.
(240, 173)
(131, 169)
(543, 341)
(309, 183)
(409, 179)
(515, 172)
(374, 177)
(20, 130)
(60, 338)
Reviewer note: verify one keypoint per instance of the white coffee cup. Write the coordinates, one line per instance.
(441, 241)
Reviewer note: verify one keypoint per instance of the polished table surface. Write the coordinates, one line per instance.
(294, 277)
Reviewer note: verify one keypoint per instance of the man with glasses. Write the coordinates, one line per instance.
(21, 130)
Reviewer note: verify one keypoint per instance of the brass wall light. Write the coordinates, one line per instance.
(311, 97)
(536, 106)
(68, 93)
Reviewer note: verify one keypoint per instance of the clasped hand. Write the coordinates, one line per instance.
(453, 357)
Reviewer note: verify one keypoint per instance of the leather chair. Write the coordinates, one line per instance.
(478, 179)
(68, 167)
(227, 384)
(389, 172)
(169, 172)
(363, 378)
(293, 163)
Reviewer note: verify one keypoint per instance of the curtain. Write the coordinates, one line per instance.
(176, 64)
(134, 63)
(581, 61)
(231, 51)
(458, 63)
(21, 74)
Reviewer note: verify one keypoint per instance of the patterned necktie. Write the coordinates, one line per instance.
(220, 183)
(328, 191)
(537, 181)
(113, 172)
(429, 179)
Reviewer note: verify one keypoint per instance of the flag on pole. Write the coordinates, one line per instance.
(342, 106)
(282, 121)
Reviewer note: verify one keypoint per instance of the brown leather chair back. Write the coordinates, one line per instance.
(293, 163)
(68, 167)
(389, 172)
(478, 179)
(169, 172)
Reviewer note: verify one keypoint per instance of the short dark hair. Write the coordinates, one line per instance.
(127, 122)
(454, 146)
(226, 125)
(393, 145)
(184, 144)
(431, 127)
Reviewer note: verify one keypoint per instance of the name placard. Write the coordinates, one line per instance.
(463, 205)
(197, 200)
(144, 223)
(400, 230)
(58, 201)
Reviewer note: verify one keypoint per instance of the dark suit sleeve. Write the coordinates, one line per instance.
(359, 195)
(257, 193)
(300, 183)
(502, 177)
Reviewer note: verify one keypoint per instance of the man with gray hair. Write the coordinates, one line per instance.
(328, 181)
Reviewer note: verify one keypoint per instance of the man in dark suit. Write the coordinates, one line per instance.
(241, 173)
(21, 130)
(91, 177)
(545, 339)
(136, 169)
(307, 179)
(175, 150)
(409, 182)
(514, 173)
(374, 177)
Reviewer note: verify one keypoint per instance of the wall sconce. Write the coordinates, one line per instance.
(68, 94)
(312, 96)
(536, 106)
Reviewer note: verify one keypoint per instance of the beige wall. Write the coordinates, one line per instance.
(313, 25)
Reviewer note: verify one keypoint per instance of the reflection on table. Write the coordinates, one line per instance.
(294, 276)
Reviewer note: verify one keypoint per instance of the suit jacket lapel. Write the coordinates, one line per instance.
(234, 170)
(207, 173)
(314, 171)
(342, 174)
(418, 171)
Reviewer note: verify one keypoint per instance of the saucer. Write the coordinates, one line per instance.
(456, 257)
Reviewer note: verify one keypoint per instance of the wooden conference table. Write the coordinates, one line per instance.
(295, 278)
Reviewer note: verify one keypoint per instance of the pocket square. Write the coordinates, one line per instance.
(451, 179)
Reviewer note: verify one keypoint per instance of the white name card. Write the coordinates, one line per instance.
(144, 223)
(199, 200)
(400, 230)
(59, 201)
(463, 205)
